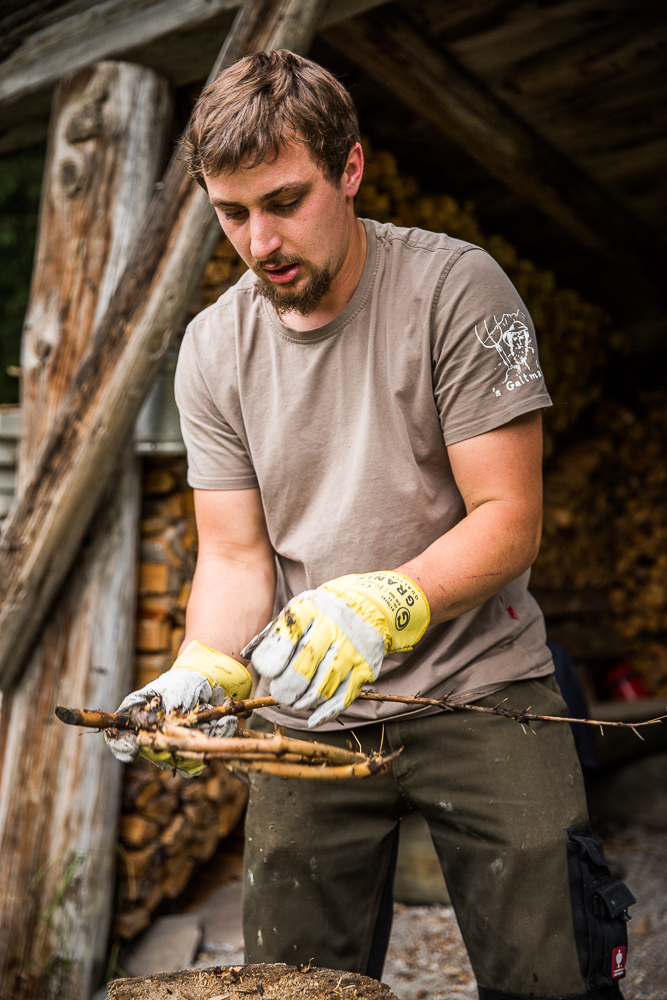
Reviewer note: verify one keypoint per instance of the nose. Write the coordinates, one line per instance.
(264, 240)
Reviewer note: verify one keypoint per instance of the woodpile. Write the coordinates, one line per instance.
(222, 271)
(168, 824)
(167, 559)
(605, 526)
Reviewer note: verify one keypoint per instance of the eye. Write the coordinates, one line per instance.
(234, 216)
(285, 206)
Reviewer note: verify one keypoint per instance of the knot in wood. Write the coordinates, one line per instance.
(88, 122)
(71, 177)
(42, 349)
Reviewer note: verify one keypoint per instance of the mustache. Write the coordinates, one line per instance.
(277, 260)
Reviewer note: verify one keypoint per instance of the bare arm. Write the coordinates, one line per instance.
(234, 582)
(499, 475)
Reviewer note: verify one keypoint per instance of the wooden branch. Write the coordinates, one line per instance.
(508, 713)
(281, 769)
(44, 530)
(175, 736)
(277, 755)
(388, 47)
(93, 719)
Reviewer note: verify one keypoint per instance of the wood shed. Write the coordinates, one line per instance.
(536, 130)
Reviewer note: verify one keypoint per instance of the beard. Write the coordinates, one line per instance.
(303, 300)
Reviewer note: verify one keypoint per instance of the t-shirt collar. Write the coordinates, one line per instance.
(343, 317)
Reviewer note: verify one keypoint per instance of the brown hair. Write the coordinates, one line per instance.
(260, 102)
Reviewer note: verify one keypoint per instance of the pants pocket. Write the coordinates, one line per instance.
(599, 910)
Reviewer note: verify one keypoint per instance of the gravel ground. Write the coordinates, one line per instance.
(426, 956)
(643, 853)
(427, 959)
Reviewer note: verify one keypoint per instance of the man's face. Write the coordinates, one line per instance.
(289, 223)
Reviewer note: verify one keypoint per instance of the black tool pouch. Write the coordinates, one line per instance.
(599, 910)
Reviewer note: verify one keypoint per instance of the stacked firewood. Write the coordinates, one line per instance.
(223, 270)
(169, 824)
(605, 526)
(167, 561)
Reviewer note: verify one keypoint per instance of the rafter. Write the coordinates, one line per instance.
(392, 50)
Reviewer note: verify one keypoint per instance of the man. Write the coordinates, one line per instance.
(362, 418)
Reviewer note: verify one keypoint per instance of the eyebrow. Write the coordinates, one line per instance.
(295, 186)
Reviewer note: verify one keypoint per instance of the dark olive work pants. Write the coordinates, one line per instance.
(507, 813)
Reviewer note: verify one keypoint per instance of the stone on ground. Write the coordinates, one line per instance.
(221, 921)
(170, 944)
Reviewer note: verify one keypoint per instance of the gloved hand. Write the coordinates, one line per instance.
(327, 643)
(200, 675)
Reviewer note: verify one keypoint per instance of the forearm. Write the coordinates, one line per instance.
(499, 475)
(490, 547)
(231, 600)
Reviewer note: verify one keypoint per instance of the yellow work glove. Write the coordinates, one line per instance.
(327, 643)
(199, 676)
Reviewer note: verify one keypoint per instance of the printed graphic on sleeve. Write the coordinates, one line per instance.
(511, 338)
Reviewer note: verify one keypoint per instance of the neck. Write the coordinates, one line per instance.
(342, 288)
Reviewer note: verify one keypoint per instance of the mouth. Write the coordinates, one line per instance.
(282, 275)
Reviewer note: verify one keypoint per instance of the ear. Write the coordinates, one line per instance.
(354, 170)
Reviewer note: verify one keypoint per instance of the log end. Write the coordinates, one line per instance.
(280, 982)
(70, 716)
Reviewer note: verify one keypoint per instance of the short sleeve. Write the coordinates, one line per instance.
(486, 368)
(218, 458)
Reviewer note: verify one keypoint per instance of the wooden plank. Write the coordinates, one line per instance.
(394, 52)
(59, 792)
(97, 32)
(60, 796)
(597, 56)
(112, 28)
(44, 530)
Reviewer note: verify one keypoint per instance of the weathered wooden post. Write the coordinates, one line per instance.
(59, 793)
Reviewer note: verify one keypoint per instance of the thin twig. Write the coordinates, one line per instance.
(108, 720)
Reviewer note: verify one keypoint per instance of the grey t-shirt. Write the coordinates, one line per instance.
(345, 429)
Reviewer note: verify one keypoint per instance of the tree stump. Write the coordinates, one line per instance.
(270, 982)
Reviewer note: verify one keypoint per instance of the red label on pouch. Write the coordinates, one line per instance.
(618, 962)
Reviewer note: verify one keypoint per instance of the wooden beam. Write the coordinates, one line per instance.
(44, 530)
(60, 797)
(111, 28)
(392, 50)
